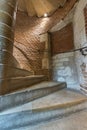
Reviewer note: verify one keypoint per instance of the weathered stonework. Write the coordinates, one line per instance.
(80, 40)
(64, 68)
(7, 11)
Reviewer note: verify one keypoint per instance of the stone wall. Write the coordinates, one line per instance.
(64, 66)
(64, 69)
(77, 63)
(80, 38)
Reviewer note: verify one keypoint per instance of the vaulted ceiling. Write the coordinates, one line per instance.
(40, 7)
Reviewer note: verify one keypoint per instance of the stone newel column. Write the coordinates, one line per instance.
(7, 18)
(7, 13)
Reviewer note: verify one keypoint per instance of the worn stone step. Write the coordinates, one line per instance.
(74, 121)
(6, 44)
(8, 59)
(6, 8)
(33, 92)
(13, 84)
(7, 71)
(71, 103)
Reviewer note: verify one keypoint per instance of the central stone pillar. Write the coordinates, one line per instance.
(7, 20)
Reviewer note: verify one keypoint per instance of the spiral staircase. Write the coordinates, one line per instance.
(28, 100)
(12, 77)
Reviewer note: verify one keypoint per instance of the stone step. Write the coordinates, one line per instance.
(75, 121)
(11, 72)
(8, 59)
(6, 8)
(13, 84)
(71, 103)
(27, 95)
(6, 44)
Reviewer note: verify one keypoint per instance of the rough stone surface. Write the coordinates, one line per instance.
(76, 121)
(64, 69)
(30, 118)
(7, 58)
(15, 83)
(23, 98)
(80, 39)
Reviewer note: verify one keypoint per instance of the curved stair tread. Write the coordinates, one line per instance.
(12, 71)
(43, 84)
(14, 67)
(18, 83)
(75, 121)
(55, 100)
(72, 102)
(33, 117)
(9, 59)
(27, 95)
(64, 96)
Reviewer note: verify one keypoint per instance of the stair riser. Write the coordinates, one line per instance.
(8, 9)
(7, 58)
(9, 72)
(27, 119)
(6, 44)
(22, 98)
(11, 85)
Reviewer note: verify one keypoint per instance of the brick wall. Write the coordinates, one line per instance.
(62, 40)
(27, 34)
